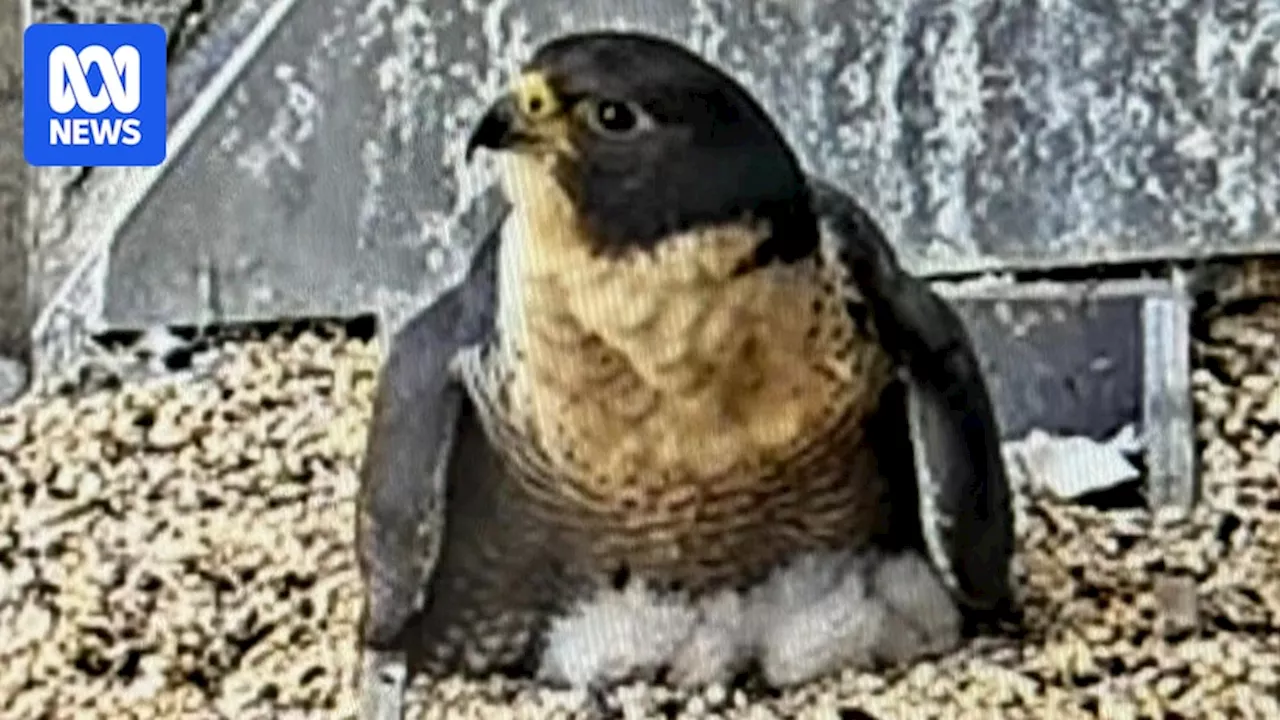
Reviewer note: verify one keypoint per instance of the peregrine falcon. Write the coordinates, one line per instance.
(684, 417)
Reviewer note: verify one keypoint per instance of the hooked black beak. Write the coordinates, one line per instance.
(498, 129)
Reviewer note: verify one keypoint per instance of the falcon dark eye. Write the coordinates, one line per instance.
(616, 119)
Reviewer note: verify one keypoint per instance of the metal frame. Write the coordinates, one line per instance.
(1167, 415)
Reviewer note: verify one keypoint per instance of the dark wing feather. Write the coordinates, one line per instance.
(418, 412)
(963, 490)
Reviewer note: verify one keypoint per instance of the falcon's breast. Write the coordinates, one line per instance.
(675, 410)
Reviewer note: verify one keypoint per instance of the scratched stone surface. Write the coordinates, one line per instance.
(69, 203)
(15, 311)
(984, 135)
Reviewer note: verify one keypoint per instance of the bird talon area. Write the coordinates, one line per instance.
(182, 547)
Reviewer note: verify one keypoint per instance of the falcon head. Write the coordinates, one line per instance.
(647, 141)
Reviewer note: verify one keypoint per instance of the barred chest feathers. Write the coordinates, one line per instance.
(669, 366)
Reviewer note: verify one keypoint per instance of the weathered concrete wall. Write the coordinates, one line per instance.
(15, 310)
(983, 134)
(77, 210)
(71, 202)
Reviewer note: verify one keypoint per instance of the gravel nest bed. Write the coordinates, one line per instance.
(182, 547)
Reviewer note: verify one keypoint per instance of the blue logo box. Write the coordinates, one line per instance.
(94, 95)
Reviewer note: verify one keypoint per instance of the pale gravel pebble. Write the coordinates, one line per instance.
(184, 549)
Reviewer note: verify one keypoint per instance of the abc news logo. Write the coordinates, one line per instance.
(69, 89)
(94, 95)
